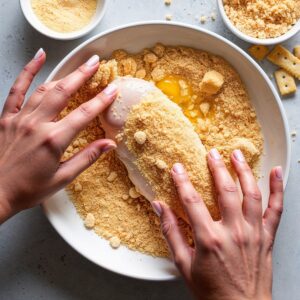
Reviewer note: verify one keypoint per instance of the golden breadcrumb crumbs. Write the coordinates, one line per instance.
(140, 137)
(230, 122)
(89, 221)
(263, 18)
(159, 117)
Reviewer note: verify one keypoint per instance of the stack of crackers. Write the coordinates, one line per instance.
(288, 62)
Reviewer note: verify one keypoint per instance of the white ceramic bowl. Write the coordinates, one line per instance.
(43, 29)
(60, 210)
(256, 41)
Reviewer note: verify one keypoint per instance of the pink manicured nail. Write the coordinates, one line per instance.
(214, 153)
(157, 207)
(178, 168)
(278, 172)
(39, 53)
(110, 90)
(93, 61)
(238, 155)
(108, 147)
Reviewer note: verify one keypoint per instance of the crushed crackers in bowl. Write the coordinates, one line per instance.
(261, 22)
(226, 99)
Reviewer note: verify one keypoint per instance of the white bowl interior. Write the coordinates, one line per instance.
(39, 26)
(256, 41)
(264, 98)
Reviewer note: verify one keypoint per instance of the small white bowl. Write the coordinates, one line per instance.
(256, 41)
(34, 21)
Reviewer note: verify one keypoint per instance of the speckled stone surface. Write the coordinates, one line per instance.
(35, 263)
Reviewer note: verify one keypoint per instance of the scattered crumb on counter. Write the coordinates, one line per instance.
(168, 17)
(203, 19)
(213, 16)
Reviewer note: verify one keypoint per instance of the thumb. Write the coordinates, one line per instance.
(71, 168)
(180, 250)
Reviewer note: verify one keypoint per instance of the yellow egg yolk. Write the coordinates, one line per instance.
(176, 88)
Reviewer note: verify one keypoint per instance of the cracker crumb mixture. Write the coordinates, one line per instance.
(263, 18)
(224, 120)
(170, 138)
(64, 15)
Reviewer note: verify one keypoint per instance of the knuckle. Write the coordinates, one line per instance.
(92, 156)
(16, 91)
(178, 259)
(166, 228)
(254, 195)
(191, 198)
(41, 89)
(65, 179)
(28, 71)
(229, 188)
(211, 243)
(4, 123)
(277, 209)
(218, 165)
(85, 109)
(180, 180)
(258, 239)
(51, 140)
(83, 70)
(27, 127)
(62, 88)
(239, 237)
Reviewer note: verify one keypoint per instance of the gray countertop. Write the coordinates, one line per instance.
(35, 263)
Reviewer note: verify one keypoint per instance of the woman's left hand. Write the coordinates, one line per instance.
(32, 142)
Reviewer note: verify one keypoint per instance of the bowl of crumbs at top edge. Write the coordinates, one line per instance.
(257, 25)
(63, 20)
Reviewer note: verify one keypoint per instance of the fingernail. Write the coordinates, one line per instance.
(238, 155)
(109, 147)
(111, 89)
(157, 207)
(93, 61)
(278, 172)
(39, 53)
(178, 168)
(214, 153)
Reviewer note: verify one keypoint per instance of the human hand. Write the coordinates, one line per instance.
(33, 141)
(232, 258)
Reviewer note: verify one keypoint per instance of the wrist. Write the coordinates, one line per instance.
(6, 210)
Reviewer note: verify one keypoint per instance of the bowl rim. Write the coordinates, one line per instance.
(69, 35)
(175, 24)
(256, 41)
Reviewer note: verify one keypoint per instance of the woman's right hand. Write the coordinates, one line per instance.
(232, 258)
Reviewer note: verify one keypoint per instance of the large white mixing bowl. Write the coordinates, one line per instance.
(60, 210)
